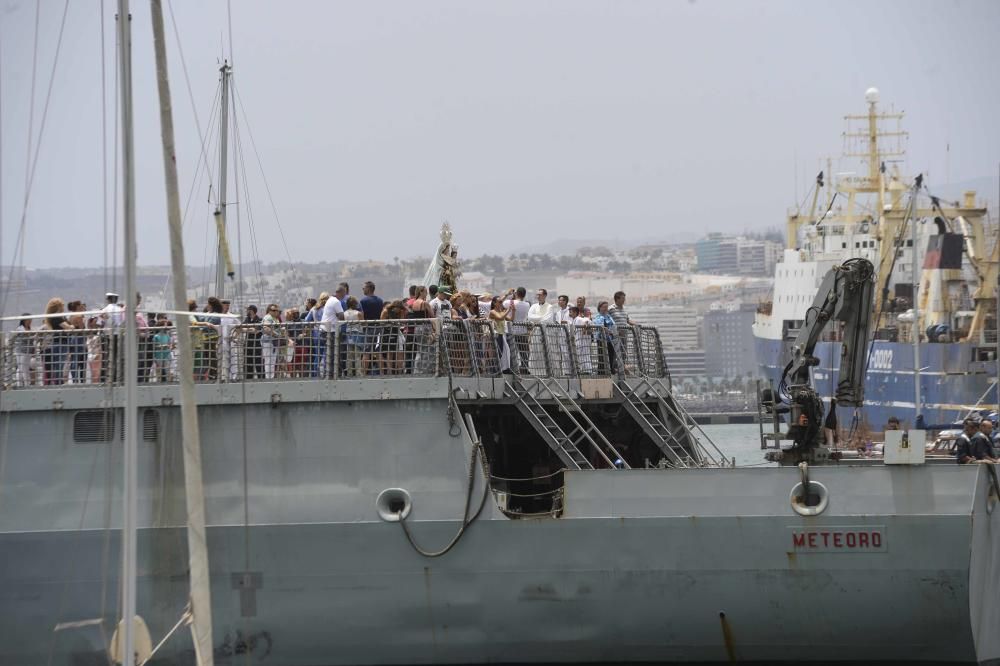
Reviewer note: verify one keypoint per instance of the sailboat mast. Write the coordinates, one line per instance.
(916, 322)
(222, 259)
(201, 606)
(130, 449)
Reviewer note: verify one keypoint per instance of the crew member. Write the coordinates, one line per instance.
(972, 446)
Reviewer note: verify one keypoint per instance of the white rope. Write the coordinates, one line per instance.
(186, 619)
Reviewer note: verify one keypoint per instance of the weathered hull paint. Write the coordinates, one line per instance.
(643, 565)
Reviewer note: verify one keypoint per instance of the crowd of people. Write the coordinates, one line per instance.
(76, 346)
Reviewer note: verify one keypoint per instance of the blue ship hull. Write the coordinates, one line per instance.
(952, 380)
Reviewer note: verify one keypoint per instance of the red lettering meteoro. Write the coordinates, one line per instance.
(837, 540)
(876, 539)
(852, 539)
(798, 540)
(826, 539)
(812, 539)
(863, 539)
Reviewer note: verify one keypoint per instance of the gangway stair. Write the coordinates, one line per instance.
(670, 427)
(567, 443)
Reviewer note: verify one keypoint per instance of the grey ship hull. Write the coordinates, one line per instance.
(644, 565)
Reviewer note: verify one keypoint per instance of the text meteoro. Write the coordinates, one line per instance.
(838, 539)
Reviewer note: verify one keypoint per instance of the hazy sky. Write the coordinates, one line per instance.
(519, 122)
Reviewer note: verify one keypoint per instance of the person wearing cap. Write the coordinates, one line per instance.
(440, 305)
(112, 319)
(112, 314)
(484, 301)
(971, 445)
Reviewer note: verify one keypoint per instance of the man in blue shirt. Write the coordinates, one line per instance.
(371, 307)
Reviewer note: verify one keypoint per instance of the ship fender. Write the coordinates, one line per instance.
(808, 498)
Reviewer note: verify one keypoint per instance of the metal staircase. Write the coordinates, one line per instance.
(683, 426)
(674, 442)
(567, 445)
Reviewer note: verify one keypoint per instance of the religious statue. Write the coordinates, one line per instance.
(444, 269)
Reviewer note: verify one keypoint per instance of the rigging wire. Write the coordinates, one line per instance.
(204, 168)
(32, 164)
(190, 91)
(260, 166)
(31, 97)
(239, 168)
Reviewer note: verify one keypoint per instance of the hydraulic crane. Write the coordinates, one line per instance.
(845, 296)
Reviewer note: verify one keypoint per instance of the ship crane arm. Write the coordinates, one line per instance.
(844, 296)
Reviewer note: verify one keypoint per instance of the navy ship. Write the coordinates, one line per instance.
(403, 492)
(933, 357)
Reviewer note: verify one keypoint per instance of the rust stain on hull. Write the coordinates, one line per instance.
(727, 637)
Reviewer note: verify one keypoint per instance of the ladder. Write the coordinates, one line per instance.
(566, 445)
(572, 409)
(669, 440)
(686, 425)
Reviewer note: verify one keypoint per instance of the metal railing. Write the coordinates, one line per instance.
(342, 350)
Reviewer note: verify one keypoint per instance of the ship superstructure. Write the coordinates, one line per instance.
(884, 217)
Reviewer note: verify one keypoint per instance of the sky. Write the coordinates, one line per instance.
(519, 122)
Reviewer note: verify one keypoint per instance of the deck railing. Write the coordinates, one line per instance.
(342, 350)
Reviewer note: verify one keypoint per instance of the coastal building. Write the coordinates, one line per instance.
(683, 363)
(727, 332)
(679, 327)
(735, 255)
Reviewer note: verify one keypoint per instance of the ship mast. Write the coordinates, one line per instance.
(201, 607)
(224, 263)
(918, 413)
(130, 448)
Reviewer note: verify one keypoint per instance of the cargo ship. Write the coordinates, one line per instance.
(933, 356)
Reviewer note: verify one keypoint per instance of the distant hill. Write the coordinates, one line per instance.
(573, 245)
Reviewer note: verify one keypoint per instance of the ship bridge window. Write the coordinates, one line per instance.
(102, 425)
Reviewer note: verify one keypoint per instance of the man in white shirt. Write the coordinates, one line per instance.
(112, 319)
(564, 317)
(518, 330)
(440, 305)
(113, 314)
(333, 310)
(226, 356)
(543, 314)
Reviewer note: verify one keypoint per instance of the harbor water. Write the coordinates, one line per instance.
(740, 441)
